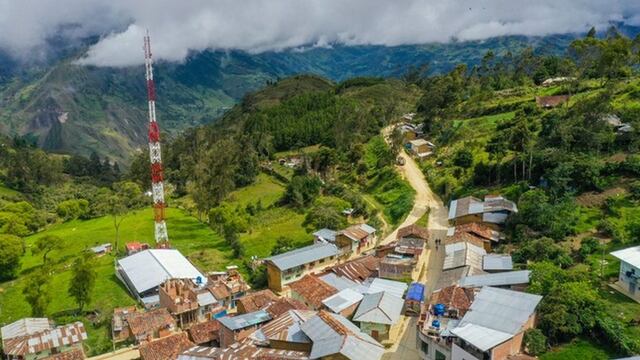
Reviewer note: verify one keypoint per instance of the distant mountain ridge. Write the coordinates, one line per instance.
(68, 108)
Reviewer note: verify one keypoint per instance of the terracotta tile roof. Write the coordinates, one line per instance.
(413, 229)
(454, 297)
(220, 291)
(358, 269)
(480, 230)
(73, 354)
(204, 332)
(283, 305)
(313, 290)
(465, 237)
(53, 338)
(257, 300)
(166, 348)
(142, 322)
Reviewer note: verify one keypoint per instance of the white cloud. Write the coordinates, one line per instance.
(178, 27)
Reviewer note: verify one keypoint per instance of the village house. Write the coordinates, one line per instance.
(379, 315)
(243, 350)
(324, 236)
(101, 250)
(143, 272)
(345, 302)
(376, 285)
(188, 302)
(205, 333)
(285, 268)
(447, 306)
(166, 348)
(284, 332)
(335, 337)
(256, 301)
(629, 277)
(615, 122)
(514, 280)
(494, 325)
(227, 286)
(421, 147)
(39, 338)
(135, 246)
(411, 240)
(493, 263)
(237, 328)
(476, 233)
(149, 325)
(310, 290)
(120, 330)
(414, 300)
(461, 254)
(283, 305)
(410, 131)
(492, 211)
(548, 102)
(357, 270)
(355, 239)
(397, 267)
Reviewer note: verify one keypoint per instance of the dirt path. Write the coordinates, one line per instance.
(432, 260)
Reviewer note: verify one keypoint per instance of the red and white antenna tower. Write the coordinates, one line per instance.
(157, 187)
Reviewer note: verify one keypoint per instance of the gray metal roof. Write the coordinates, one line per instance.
(497, 262)
(303, 256)
(379, 308)
(353, 344)
(495, 314)
(377, 285)
(497, 279)
(342, 300)
(629, 255)
(245, 320)
(206, 298)
(326, 234)
(24, 327)
(339, 282)
(150, 268)
(367, 228)
(463, 254)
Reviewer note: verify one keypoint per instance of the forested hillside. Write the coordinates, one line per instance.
(571, 164)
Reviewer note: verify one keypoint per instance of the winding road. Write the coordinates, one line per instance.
(432, 260)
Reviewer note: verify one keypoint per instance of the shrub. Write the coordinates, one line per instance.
(463, 158)
(72, 209)
(535, 342)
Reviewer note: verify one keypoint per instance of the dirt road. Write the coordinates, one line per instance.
(432, 260)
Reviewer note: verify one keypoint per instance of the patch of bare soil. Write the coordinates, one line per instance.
(596, 199)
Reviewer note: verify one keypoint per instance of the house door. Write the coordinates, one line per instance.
(632, 287)
(374, 334)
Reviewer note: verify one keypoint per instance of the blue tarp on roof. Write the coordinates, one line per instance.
(416, 292)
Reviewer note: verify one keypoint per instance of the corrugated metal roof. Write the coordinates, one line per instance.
(497, 279)
(24, 327)
(338, 282)
(396, 288)
(629, 255)
(206, 298)
(150, 268)
(245, 320)
(333, 334)
(497, 262)
(494, 208)
(463, 254)
(326, 234)
(303, 256)
(342, 300)
(500, 310)
(367, 228)
(379, 308)
(285, 327)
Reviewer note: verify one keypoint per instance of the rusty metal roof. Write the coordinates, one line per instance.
(38, 342)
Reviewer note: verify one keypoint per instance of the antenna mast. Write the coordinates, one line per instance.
(157, 187)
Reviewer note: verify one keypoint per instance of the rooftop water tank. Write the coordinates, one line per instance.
(435, 324)
(439, 309)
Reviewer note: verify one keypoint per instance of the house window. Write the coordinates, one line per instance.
(440, 356)
(424, 347)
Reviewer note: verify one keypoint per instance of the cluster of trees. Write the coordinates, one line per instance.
(98, 170)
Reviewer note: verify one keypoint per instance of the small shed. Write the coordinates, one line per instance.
(101, 249)
(414, 299)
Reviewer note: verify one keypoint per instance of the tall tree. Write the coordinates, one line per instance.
(46, 244)
(37, 292)
(118, 203)
(10, 252)
(83, 280)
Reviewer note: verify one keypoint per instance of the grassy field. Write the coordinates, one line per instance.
(205, 248)
(577, 350)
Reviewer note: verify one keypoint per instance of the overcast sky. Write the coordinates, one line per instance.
(258, 25)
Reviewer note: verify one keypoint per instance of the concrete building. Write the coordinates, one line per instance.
(379, 315)
(143, 272)
(285, 268)
(188, 302)
(514, 280)
(629, 277)
(494, 326)
(237, 328)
